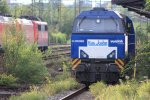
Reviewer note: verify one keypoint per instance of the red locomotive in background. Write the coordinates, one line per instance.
(35, 31)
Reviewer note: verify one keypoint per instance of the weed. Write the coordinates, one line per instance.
(7, 80)
(144, 91)
(47, 90)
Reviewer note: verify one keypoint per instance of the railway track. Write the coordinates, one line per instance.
(58, 51)
(6, 92)
(75, 94)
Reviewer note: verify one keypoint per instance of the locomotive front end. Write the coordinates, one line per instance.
(99, 46)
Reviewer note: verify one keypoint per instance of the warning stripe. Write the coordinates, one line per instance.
(75, 63)
(75, 66)
(120, 63)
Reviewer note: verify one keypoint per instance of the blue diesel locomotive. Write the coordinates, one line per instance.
(102, 42)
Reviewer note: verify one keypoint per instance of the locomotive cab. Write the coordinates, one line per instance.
(100, 45)
(41, 35)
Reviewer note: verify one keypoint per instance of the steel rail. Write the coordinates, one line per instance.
(74, 94)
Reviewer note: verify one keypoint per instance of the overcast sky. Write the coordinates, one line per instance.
(64, 1)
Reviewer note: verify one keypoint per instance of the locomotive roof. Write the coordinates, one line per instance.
(6, 19)
(100, 13)
(40, 22)
(24, 21)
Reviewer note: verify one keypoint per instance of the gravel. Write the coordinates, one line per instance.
(84, 96)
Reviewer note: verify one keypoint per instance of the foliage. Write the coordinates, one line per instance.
(21, 10)
(33, 95)
(69, 41)
(97, 88)
(127, 91)
(60, 83)
(62, 76)
(142, 60)
(142, 57)
(60, 19)
(4, 8)
(22, 59)
(47, 90)
(59, 86)
(142, 34)
(147, 6)
(48, 52)
(7, 80)
(144, 91)
(58, 37)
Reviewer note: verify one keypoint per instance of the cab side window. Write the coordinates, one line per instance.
(42, 28)
(39, 27)
(46, 28)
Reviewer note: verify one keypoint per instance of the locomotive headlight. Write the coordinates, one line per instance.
(98, 21)
(111, 55)
(84, 55)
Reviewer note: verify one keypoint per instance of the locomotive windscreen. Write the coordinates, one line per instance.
(91, 25)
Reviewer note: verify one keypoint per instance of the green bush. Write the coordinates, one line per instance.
(69, 41)
(58, 37)
(147, 6)
(142, 59)
(7, 80)
(22, 59)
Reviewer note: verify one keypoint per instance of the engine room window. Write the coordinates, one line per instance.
(87, 25)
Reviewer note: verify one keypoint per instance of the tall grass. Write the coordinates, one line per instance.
(127, 91)
(53, 85)
(47, 90)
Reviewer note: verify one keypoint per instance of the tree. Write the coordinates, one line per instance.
(4, 8)
(21, 10)
(147, 6)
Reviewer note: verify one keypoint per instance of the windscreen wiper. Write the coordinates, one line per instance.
(82, 20)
